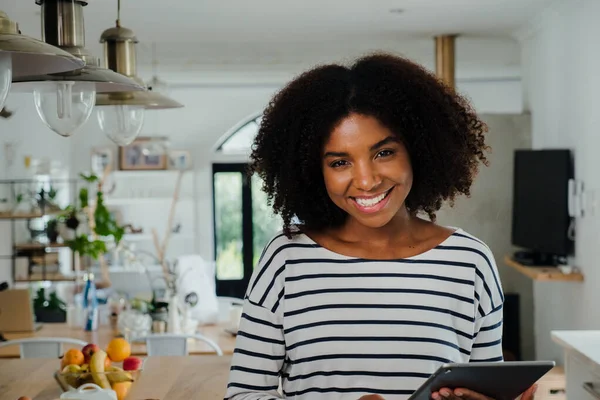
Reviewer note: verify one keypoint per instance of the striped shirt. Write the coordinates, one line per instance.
(329, 326)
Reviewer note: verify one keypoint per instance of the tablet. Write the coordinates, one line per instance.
(497, 380)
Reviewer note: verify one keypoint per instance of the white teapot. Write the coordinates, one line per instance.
(89, 391)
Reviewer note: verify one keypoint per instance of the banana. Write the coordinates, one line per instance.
(116, 374)
(71, 374)
(97, 369)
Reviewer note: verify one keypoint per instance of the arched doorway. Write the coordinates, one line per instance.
(242, 220)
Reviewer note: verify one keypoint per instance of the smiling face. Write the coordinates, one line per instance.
(367, 170)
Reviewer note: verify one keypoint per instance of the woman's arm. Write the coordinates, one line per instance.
(260, 354)
(258, 357)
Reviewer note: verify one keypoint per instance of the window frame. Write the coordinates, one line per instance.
(236, 287)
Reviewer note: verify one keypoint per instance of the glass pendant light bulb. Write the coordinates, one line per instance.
(121, 123)
(65, 106)
(5, 76)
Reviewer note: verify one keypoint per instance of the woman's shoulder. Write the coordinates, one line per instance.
(474, 250)
(281, 241)
(268, 279)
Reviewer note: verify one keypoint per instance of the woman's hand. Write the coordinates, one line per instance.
(465, 394)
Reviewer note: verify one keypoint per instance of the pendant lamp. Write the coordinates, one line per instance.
(121, 114)
(65, 101)
(22, 55)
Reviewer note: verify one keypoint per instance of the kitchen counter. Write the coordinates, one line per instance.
(582, 362)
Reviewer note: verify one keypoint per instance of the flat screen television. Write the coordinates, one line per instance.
(540, 217)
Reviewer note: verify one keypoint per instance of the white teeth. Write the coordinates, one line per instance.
(370, 202)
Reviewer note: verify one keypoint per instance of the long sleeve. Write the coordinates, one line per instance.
(260, 350)
(487, 345)
(258, 357)
(487, 341)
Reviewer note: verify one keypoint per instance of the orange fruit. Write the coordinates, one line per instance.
(72, 357)
(107, 362)
(121, 388)
(118, 349)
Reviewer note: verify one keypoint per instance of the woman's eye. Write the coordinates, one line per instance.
(385, 153)
(338, 163)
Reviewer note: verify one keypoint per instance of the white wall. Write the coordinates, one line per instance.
(561, 64)
(487, 213)
(217, 97)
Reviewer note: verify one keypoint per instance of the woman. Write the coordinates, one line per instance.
(364, 298)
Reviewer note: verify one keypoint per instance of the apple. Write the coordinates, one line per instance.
(132, 364)
(88, 350)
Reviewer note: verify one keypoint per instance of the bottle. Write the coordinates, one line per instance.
(90, 304)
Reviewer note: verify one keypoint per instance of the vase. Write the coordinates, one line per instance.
(174, 317)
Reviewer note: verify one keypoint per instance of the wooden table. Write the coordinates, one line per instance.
(163, 378)
(105, 333)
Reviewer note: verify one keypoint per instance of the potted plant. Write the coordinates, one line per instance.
(52, 230)
(51, 309)
(102, 227)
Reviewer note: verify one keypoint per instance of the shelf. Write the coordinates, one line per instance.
(546, 274)
(143, 237)
(10, 216)
(141, 200)
(146, 173)
(50, 276)
(39, 246)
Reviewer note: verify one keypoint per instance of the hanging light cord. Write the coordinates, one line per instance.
(118, 13)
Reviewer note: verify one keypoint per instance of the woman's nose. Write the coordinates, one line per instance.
(366, 178)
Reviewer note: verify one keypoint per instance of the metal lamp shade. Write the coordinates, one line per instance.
(120, 56)
(63, 26)
(31, 56)
(149, 100)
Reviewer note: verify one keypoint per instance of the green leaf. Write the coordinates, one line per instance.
(89, 178)
(83, 197)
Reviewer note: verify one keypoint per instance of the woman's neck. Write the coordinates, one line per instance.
(398, 229)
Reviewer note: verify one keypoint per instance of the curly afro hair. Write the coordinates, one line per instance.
(441, 132)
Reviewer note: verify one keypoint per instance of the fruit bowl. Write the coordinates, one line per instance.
(93, 366)
(114, 378)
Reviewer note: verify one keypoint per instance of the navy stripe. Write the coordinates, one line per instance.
(491, 327)
(260, 338)
(268, 289)
(368, 260)
(252, 387)
(468, 237)
(487, 344)
(377, 339)
(485, 257)
(279, 250)
(260, 321)
(359, 373)
(279, 297)
(493, 359)
(347, 390)
(379, 275)
(262, 254)
(481, 312)
(378, 306)
(423, 357)
(378, 322)
(378, 290)
(253, 370)
(259, 355)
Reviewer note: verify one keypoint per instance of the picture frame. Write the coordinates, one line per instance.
(132, 158)
(101, 157)
(180, 159)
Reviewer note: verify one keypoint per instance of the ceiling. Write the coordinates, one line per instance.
(264, 23)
